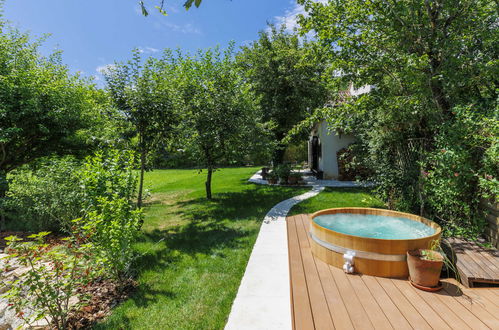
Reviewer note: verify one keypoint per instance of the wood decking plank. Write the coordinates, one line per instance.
(492, 258)
(302, 310)
(469, 318)
(391, 311)
(358, 315)
(410, 313)
(476, 309)
(370, 305)
(479, 261)
(324, 297)
(475, 263)
(489, 294)
(480, 296)
(339, 313)
(320, 309)
(426, 311)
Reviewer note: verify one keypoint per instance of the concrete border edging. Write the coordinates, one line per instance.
(263, 300)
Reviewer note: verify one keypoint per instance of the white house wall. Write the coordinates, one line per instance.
(331, 143)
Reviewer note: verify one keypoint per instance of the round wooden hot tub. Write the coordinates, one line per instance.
(372, 256)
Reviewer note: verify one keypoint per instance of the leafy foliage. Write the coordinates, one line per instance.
(434, 68)
(46, 195)
(145, 94)
(285, 75)
(111, 222)
(43, 108)
(218, 117)
(48, 289)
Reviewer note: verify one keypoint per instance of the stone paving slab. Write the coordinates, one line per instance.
(311, 181)
(263, 300)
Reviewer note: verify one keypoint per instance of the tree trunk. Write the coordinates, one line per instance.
(208, 183)
(278, 156)
(141, 180)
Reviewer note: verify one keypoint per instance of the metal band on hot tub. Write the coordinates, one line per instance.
(359, 254)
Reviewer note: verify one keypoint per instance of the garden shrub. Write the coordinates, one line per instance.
(108, 175)
(351, 164)
(111, 220)
(49, 288)
(459, 172)
(45, 196)
(112, 228)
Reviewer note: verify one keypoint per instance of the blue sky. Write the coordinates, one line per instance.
(95, 33)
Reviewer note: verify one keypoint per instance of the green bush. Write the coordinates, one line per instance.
(351, 164)
(46, 196)
(460, 171)
(113, 230)
(283, 171)
(111, 221)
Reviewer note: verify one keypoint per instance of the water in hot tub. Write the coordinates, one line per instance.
(374, 226)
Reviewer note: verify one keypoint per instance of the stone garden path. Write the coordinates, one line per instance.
(263, 299)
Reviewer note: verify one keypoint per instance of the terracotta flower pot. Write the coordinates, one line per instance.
(423, 272)
(293, 180)
(272, 180)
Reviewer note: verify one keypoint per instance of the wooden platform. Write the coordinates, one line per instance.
(323, 297)
(474, 263)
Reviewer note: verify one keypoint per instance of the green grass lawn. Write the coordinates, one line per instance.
(338, 197)
(193, 252)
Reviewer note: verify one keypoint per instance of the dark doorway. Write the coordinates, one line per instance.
(316, 150)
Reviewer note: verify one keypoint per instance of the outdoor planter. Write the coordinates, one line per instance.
(283, 180)
(425, 267)
(272, 180)
(293, 179)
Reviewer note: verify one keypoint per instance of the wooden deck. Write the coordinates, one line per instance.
(475, 263)
(323, 297)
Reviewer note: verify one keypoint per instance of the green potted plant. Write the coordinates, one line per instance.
(425, 266)
(272, 177)
(283, 171)
(294, 177)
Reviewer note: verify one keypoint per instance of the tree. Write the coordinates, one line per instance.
(218, 111)
(434, 67)
(285, 73)
(145, 95)
(42, 107)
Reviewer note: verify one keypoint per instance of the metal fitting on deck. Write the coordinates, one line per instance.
(349, 262)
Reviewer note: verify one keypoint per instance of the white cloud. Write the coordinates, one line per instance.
(187, 28)
(103, 69)
(148, 50)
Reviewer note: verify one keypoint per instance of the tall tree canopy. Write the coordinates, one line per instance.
(218, 114)
(145, 93)
(431, 120)
(42, 106)
(285, 73)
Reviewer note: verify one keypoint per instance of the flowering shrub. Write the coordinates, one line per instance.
(48, 288)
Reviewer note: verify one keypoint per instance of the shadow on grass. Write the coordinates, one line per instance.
(208, 228)
(212, 224)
